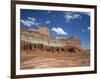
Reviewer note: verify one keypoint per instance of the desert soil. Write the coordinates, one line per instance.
(44, 59)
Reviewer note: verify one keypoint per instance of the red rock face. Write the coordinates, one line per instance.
(40, 55)
(74, 42)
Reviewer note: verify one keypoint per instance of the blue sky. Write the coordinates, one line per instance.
(60, 23)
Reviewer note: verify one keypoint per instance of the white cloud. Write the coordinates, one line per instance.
(49, 11)
(59, 30)
(88, 28)
(71, 15)
(26, 22)
(37, 24)
(86, 13)
(54, 16)
(32, 19)
(76, 16)
(83, 30)
(47, 22)
(29, 22)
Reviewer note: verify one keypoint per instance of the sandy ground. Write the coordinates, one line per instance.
(44, 59)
